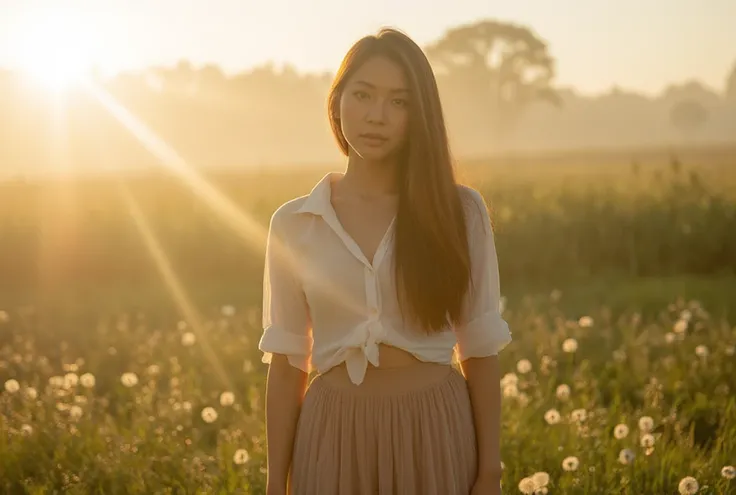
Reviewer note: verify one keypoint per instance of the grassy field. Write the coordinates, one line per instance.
(129, 318)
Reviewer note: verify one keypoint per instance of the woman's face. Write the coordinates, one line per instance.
(374, 109)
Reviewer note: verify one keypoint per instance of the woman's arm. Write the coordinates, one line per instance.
(285, 388)
(482, 376)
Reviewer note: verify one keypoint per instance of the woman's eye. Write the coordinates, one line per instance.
(361, 95)
(400, 102)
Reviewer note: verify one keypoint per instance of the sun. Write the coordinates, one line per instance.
(52, 50)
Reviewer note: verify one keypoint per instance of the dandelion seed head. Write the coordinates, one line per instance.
(669, 337)
(688, 486)
(579, 415)
(626, 456)
(701, 351)
(526, 486)
(227, 399)
(552, 416)
(585, 322)
(209, 414)
(570, 463)
(728, 472)
(87, 380)
(30, 393)
(570, 345)
(510, 391)
(646, 424)
(647, 440)
(509, 379)
(680, 326)
(241, 456)
(540, 479)
(26, 429)
(75, 412)
(129, 379)
(563, 392)
(12, 386)
(524, 366)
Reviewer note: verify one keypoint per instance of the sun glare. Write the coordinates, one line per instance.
(52, 50)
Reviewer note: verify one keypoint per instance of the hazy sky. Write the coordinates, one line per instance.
(636, 44)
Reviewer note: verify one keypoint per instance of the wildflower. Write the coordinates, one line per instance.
(12, 386)
(87, 380)
(188, 339)
(688, 485)
(585, 322)
(153, 369)
(669, 337)
(510, 391)
(26, 429)
(540, 479)
(701, 351)
(728, 472)
(647, 440)
(552, 417)
(646, 424)
(241, 456)
(526, 486)
(524, 366)
(186, 405)
(227, 399)
(129, 379)
(680, 326)
(30, 393)
(75, 412)
(570, 345)
(626, 456)
(56, 381)
(686, 315)
(570, 463)
(209, 414)
(578, 415)
(509, 379)
(71, 380)
(563, 392)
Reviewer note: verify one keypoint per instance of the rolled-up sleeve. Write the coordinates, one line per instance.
(286, 320)
(483, 332)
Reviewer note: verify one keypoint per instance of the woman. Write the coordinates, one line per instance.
(374, 279)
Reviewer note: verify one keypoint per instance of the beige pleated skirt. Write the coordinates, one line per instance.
(403, 431)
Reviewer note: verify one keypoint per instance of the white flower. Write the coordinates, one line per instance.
(12, 386)
(585, 322)
(570, 345)
(728, 472)
(646, 424)
(209, 414)
(26, 429)
(688, 485)
(188, 339)
(526, 486)
(563, 392)
(30, 393)
(87, 380)
(56, 381)
(647, 440)
(669, 337)
(701, 351)
(75, 412)
(241, 456)
(540, 479)
(578, 415)
(71, 380)
(570, 463)
(227, 399)
(129, 379)
(680, 326)
(686, 315)
(621, 431)
(524, 366)
(153, 369)
(552, 417)
(509, 379)
(510, 391)
(626, 456)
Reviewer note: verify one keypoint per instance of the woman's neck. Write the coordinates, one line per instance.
(369, 179)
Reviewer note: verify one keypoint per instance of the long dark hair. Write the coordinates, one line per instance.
(432, 261)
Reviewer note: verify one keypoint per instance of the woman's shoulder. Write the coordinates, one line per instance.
(473, 202)
(285, 215)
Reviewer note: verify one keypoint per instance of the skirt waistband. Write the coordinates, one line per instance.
(388, 381)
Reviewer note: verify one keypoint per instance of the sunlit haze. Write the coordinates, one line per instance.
(642, 46)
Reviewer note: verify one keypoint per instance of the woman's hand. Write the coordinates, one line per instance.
(486, 485)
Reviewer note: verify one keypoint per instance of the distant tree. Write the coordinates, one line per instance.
(688, 116)
(731, 85)
(508, 63)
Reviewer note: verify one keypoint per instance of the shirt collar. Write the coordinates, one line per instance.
(318, 201)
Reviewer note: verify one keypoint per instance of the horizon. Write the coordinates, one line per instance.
(641, 56)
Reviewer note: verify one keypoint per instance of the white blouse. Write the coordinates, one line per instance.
(325, 303)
